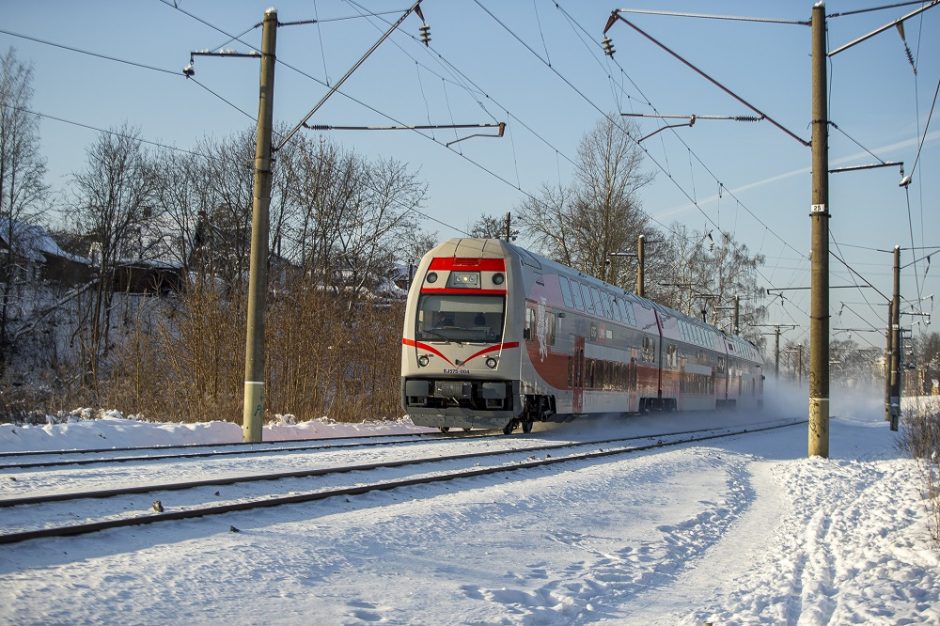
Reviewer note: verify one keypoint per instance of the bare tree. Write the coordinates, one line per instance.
(488, 227)
(22, 188)
(183, 198)
(366, 246)
(709, 269)
(600, 213)
(349, 216)
(112, 204)
(228, 223)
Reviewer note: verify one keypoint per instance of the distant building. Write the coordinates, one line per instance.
(37, 256)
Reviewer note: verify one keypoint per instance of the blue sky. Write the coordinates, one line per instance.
(749, 178)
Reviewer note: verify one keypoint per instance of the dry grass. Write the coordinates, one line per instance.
(921, 437)
(324, 357)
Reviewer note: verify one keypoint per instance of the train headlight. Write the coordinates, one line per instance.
(423, 360)
(465, 280)
(431, 277)
(498, 279)
(491, 363)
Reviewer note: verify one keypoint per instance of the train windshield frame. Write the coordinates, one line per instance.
(464, 318)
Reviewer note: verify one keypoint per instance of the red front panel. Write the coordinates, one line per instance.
(467, 264)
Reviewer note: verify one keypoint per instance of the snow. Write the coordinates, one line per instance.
(113, 430)
(731, 531)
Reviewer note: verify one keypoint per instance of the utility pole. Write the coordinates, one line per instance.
(889, 339)
(777, 329)
(799, 364)
(818, 439)
(777, 353)
(896, 344)
(640, 262)
(253, 410)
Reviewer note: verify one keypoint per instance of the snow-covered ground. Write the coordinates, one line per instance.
(734, 531)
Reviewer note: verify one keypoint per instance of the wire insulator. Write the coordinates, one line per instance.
(608, 46)
(910, 58)
(425, 31)
(748, 118)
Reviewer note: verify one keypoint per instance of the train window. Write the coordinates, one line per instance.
(672, 355)
(598, 307)
(648, 349)
(576, 295)
(588, 302)
(566, 292)
(628, 315)
(460, 317)
(615, 306)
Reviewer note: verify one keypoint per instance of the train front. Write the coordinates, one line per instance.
(460, 345)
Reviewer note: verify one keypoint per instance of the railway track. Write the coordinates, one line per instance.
(103, 455)
(439, 469)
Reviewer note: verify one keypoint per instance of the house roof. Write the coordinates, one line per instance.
(33, 242)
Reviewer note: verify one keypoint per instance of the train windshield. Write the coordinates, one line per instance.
(460, 317)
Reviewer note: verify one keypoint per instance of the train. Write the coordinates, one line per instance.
(496, 336)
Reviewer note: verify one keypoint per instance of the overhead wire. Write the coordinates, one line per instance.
(878, 8)
(926, 128)
(852, 273)
(476, 88)
(90, 53)
(164, 71)
(649, 103)
(136, 64)
(574, 23)
(106, 131)
(371, 108)
(594, 105)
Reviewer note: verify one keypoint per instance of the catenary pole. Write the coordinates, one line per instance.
(777, 353)
(640, 266)
(897, 345)
(253, 410)
(889, 351)
(818, 436)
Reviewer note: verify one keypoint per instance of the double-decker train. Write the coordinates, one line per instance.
(496, 337)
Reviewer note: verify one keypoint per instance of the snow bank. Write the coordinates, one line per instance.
(80, 430)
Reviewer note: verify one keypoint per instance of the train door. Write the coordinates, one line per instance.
(577, 383)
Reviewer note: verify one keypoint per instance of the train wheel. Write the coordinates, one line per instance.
(445, 429)
(467, 430)
(511, 426)
(527, 426)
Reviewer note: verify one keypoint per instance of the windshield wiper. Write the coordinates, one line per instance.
(444, 337)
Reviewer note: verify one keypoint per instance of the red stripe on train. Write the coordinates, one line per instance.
(424, 346)
(468, 291)
(465, 263)
(507, 345)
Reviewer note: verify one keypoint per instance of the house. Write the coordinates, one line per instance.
(37, 256)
